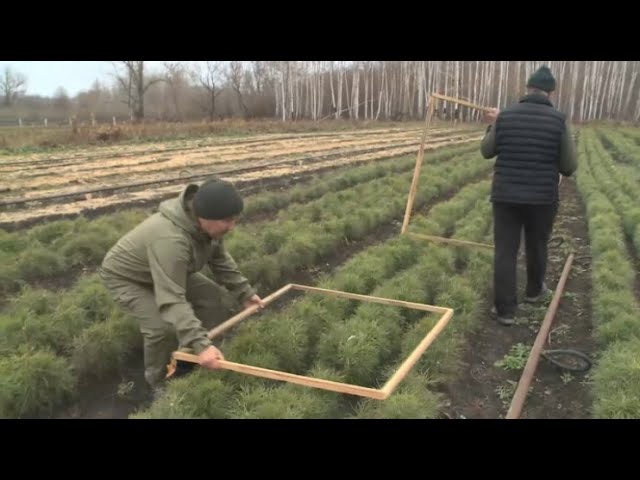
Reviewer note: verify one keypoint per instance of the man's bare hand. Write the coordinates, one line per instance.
(491, 115)
(255, 300)
(210, 356)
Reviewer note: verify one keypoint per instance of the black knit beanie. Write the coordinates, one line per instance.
(217, 200)
(542, 79)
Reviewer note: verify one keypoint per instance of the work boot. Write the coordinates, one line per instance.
(506, 320)
(544, 295)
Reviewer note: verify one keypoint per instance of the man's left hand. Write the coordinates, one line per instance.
(255, 300)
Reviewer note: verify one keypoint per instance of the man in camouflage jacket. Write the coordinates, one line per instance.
(155, 273)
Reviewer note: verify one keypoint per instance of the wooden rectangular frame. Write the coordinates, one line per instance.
(377, 394)
(416, 175)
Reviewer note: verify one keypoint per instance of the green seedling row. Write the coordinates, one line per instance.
(58, 248)
(616, 312)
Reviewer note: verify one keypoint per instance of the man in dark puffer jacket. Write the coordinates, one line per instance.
(534, 145)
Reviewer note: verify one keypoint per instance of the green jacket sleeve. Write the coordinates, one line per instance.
(568, 163)
(488, 145)
(225, 272)
(168, 260)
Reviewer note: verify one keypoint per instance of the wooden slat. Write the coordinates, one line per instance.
(462, 102)
(454, 241)
(289, 377)
(369, 298)
(408, 364)
(416, 170)
(223, 327)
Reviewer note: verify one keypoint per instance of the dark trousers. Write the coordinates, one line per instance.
(508, 221)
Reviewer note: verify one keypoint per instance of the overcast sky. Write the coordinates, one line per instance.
(44, 78)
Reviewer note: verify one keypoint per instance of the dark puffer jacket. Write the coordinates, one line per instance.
(533, 145)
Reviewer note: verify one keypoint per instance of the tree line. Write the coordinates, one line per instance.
(317, 90)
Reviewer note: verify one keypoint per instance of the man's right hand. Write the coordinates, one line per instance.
(491, 115)
(209, 357)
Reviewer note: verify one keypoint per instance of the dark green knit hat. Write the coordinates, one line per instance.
(542, 79)
(217, 200)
